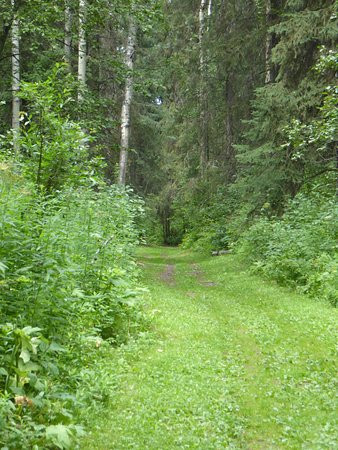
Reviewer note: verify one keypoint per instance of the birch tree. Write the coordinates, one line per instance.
(204, 13)
(15, 78)
(128, 95)
(210, 8)
(82, 51)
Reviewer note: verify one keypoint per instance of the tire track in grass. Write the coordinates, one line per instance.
(239, 363)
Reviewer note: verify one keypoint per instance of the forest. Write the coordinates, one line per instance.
(168, 269)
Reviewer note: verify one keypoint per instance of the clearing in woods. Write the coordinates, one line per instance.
(231, 361)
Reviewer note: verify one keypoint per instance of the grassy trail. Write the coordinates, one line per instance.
(232, 361)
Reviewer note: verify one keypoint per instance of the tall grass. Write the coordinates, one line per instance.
(68, 285)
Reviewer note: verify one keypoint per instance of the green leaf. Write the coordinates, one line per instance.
(30, 330)
(27, 367)
(55, 347)
(25, 355)
(59, 435)
(78, 293)
(3, 371)
(3, 267)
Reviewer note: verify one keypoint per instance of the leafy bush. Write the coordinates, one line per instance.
(68, 280)
(67, 274)
(198, 240)
(220, 238)
(206, 239)
(299, 248)
(152, 228)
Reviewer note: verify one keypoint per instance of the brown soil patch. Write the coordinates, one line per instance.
(199, 275)
(208, 283)
(168, 275)
(197, 272)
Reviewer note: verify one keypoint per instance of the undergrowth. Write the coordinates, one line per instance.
(299, 249)
(68, 280)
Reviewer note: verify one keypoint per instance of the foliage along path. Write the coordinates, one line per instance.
(232, 361)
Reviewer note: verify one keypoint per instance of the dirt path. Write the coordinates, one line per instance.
(231, 362)
(168, 274)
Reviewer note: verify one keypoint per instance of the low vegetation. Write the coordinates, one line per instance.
(299, 249)
(69, 283)
(230, 361)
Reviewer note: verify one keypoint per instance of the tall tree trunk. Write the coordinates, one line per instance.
(68, 34)
(230, 159)
(268, 43)
(107, 90)
(82, 64)
(15, 79)
(204, 12)
(128, 94)
(210, 8)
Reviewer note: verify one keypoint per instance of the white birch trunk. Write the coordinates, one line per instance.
(68, 34)
(128, 95)
(202, 20)
(15, 79)
(210, 8)
(204, 144)
(82, 54)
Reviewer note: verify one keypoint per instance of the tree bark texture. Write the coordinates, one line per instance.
(15, 79)
(82, 53)
(271, 40)
(128, 95)
(204, 13)
(229, 132)
(268, 44)
(210, 8)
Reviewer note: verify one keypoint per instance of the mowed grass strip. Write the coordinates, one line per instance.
(231, 361)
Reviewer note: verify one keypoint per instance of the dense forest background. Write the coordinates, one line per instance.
(228, 123)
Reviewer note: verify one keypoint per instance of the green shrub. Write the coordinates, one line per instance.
(299, 248)
(67, 276)
(207, 238)
(152, 228)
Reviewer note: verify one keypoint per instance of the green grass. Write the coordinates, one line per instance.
(231, 361)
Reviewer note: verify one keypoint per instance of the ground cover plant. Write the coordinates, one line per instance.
(231, 361)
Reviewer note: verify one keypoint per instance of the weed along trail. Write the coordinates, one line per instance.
(230, 361)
